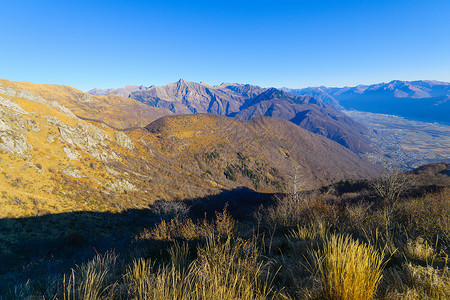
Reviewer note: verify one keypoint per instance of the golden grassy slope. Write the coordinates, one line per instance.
(113, 110)
(53, 161)
(69, 164)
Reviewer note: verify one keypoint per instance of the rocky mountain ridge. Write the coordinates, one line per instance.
(310, 114)
(184, 97)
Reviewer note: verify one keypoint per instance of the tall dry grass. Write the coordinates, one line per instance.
(415, 282)
(166, 282)
(93, 280)
(223, 269)
(349, 269)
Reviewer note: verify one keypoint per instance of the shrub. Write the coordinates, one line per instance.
(290, 210)
(391, 186)
(170, 209)
(189, 230)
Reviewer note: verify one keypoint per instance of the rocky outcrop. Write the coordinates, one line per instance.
(13, 128)
(123, 140)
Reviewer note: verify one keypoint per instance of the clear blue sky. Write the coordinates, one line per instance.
(89, 44)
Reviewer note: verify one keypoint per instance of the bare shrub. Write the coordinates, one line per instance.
(391, 186)
(358, 213)
(170, 209)
(290, 210)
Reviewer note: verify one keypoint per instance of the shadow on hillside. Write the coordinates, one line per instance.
(57, 241)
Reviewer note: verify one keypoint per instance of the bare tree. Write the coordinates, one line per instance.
(392, 185)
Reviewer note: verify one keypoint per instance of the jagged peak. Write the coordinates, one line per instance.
(273, 93)
(182, 81)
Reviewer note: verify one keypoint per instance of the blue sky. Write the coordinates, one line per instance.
(89, 44)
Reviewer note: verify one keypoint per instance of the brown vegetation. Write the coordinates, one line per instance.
(332, 244)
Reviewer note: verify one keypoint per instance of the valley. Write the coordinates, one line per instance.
(420, 100)
(405, 143)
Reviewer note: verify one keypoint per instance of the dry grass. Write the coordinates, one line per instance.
(418, 282)
(312, 231)
(167, 282)
(420, 249)
(185, 228)
(223, 269)
(349, 269)
(322, 248)
(93, 280)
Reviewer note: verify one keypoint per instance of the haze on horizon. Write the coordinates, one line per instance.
(109, 44)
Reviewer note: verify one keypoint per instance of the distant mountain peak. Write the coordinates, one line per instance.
(182, 81)
(396, 81)
(273, 93)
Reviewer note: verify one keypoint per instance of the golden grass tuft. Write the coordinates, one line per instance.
(349, 269)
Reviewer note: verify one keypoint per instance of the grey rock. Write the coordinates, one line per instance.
(71, 154)
(123, 140)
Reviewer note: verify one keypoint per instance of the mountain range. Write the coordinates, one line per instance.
(246, 102)
(64, 150)
(422, 100)
(184, 97)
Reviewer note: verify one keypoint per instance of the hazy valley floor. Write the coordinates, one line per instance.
(406, 143)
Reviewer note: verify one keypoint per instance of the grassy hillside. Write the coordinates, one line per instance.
(113, 110)
(54, 161)
(347, 241)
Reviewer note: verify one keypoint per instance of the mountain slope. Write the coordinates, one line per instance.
(113, 110)
(308, 113)
(266, 141)
(53, 161)
(246, 102)
(421, 100)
